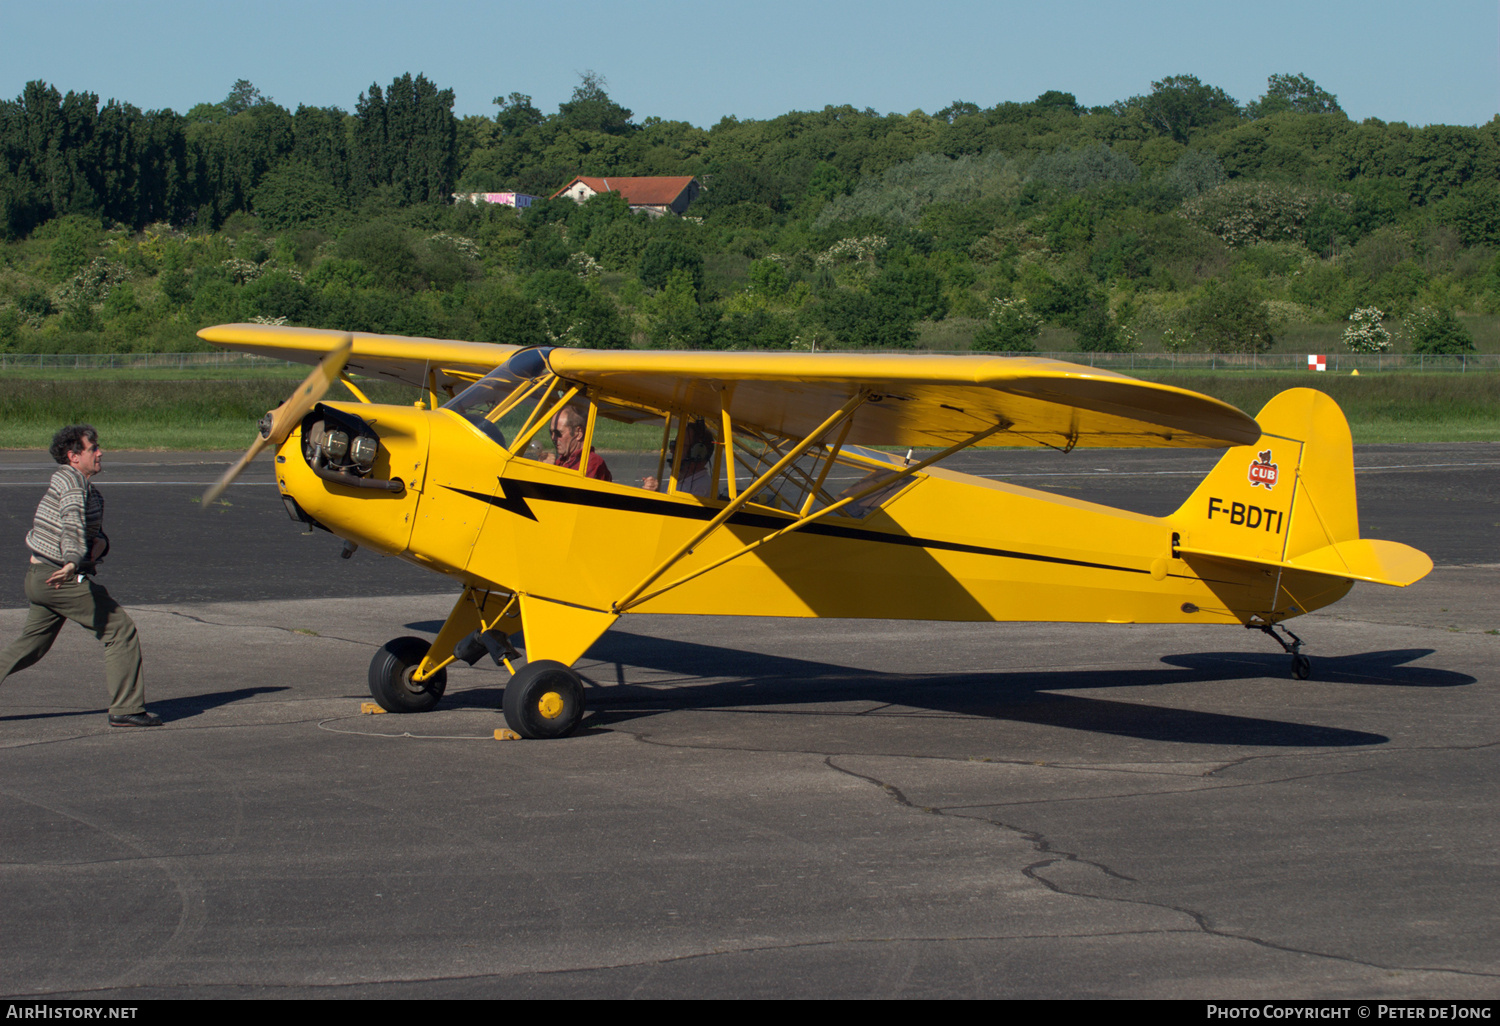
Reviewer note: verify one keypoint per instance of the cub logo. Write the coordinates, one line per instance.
(1263, 471)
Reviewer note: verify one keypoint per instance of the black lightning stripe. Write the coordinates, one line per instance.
(515, 493)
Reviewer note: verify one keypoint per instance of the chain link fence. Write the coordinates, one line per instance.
(1112, 361)
(91, 361)
(1281, 361)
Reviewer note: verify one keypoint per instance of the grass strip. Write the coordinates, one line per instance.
(164, 410)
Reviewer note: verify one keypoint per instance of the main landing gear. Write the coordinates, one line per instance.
(1301, 665)
(543, 699)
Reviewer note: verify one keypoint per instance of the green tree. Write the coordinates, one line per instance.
(545, 249)
(1437, 332)
(758, 330)
(406, 137)
(1230, 317)
(1293, 94)
(1084, 168)
(385, 250)
(296, 195)
(1060, 301)
(956, 110)
(677, 320)
(175, 287)
(907, 283)
(1012, 328)
(1180, 105)
(587, 221)
(242, 96)
(320, 140)
(278, 294)
(591, 109)
(768, 279)
(72, 246)
(121, 302)
(512, 320)
(663, 256)
(1475, 213)
(1098, 332)
(860, 320)
(597, 324)
(1196, 172)
(516, 115)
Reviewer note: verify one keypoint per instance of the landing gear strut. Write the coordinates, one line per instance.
(1301, 665)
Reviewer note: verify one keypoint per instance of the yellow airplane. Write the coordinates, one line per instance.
(769, 497)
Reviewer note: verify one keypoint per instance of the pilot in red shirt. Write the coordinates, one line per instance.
(567, 438)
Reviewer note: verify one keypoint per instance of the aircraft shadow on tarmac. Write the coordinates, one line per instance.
(1027, 696)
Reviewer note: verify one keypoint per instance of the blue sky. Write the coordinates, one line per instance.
(698, 61)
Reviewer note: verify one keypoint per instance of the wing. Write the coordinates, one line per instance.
(921, 401)
(451, 364)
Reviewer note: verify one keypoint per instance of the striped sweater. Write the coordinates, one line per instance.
(68, 519)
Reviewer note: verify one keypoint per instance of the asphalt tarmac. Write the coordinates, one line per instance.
(756, 808)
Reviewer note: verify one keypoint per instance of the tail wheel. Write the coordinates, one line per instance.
(544, 700)
(391, 677)
(1301, 666)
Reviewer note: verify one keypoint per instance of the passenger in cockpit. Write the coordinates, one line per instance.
(694, 477)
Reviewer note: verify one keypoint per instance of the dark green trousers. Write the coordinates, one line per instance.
(88, 604)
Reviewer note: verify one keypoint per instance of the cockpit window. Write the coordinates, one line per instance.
(485, 398)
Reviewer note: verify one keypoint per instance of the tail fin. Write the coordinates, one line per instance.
(1288, 501)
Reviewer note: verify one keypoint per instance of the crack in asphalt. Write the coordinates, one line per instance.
(263, 627)
(1386, 749)
(607, 967)
(1042, 844)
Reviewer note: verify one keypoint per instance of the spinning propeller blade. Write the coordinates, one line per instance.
(277, 424)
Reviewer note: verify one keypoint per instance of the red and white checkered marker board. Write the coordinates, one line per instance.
(1317, 362)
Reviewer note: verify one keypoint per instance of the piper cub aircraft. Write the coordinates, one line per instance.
(778, 488)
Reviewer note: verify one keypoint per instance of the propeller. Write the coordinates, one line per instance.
(276, 425)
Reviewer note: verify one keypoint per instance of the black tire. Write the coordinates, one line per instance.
(390, 677)
(544, 700)
(1301, 667)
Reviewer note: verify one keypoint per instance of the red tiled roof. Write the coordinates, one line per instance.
(638, 192)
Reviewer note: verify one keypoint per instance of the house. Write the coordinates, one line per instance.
(519, 200)
(654, 195)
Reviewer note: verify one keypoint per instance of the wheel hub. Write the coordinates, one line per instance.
(409, 681)
(551, 705)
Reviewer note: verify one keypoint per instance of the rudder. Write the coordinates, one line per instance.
(1289, 500)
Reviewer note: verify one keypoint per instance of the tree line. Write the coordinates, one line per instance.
(1180, 216)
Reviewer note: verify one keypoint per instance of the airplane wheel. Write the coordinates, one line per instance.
(543, 700)
(390, 677)
(1301, 667)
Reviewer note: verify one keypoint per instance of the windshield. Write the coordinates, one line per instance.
(483, 397)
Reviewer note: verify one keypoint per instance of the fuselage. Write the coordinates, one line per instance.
(948, 546)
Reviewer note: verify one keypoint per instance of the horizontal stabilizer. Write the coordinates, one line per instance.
(1367, 559)
(1358, 559)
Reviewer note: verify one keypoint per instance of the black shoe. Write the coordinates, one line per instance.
(140, 719)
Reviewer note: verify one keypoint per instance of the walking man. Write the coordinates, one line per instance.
(66, 541)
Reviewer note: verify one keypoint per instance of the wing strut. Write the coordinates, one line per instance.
(847, 410)
(635, 598)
